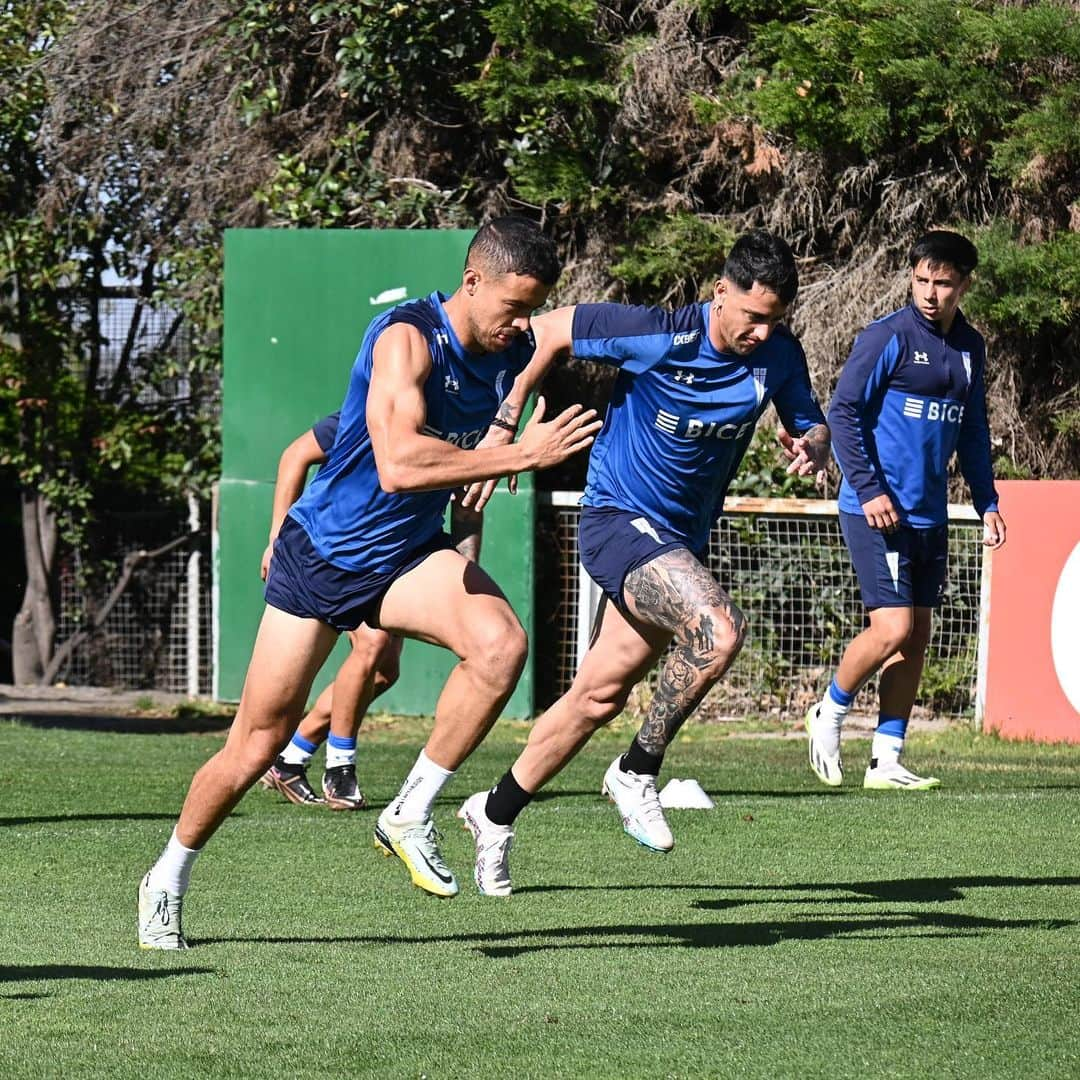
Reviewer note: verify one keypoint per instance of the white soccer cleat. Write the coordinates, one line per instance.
(493, 842)
(892, 775)
(415, 843)
(635, 797)
(824, 759)
(159, 918)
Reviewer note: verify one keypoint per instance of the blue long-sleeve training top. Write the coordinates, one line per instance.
(907, 399)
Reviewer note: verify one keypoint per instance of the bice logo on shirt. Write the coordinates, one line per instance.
(701, 429)
(686, 338)
(946, 412)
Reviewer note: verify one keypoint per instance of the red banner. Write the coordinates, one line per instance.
(1033, 652)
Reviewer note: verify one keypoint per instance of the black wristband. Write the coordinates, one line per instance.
(500, 423)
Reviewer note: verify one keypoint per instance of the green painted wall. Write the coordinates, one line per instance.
(297, 303)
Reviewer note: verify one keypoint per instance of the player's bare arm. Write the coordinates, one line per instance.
(466, 530)
(553, 334)
(408, 460)
(293, 465)
(807, 454)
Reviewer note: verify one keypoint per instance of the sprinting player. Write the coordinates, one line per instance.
(910, 393)
(691, 386)
(370, 669)
(365, 544)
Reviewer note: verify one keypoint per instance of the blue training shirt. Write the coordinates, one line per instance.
(682, 413)
(907, 398)
(351, 521)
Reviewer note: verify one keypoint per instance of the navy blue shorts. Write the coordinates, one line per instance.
(613, 542)
(905, 568)
(302, 583)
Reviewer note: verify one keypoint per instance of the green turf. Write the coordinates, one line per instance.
(793, 932)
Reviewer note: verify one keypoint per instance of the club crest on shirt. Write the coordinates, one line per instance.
(760, 374)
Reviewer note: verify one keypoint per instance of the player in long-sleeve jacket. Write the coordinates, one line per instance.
(692, 384)
(910, 395)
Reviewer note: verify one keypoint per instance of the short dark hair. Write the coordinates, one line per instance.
(515, 245)
(762, 257)
(943, 248)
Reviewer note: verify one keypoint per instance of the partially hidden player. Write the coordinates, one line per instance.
(373, 663)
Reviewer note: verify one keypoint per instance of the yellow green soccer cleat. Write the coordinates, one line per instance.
(894, 777)
(415, 843)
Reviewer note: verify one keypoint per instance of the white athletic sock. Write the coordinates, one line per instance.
(417, 795)
(340, 751)
(173, 869)
(299, 751)
(888, 741)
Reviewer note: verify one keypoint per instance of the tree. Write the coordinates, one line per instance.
(644, 136)
(79, 420)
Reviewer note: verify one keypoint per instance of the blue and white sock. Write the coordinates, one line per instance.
(340, 751)
(888, 740)
(299, 751)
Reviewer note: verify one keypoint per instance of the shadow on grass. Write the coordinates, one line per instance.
(186, 724)
(515, 943)
(741, 793)
(53, 819)
(908, 890)
(49, 972)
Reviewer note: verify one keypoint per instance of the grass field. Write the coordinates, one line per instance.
(793, 932)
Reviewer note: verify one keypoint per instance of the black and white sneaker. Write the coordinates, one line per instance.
(341, 789)
(291, 781)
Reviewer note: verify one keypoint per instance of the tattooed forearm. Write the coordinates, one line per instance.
(508, 413)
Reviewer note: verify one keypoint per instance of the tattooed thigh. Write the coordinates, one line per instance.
(676, 592)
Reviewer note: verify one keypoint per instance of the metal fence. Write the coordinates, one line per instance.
(785, 564)
(159, 636)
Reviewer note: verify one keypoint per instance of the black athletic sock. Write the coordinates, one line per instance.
(506, 800)
(639, 760)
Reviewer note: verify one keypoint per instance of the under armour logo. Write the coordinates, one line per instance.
(684, 377)
(922, 358)
(451, 385)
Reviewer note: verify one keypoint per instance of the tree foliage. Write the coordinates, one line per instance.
(643, 135)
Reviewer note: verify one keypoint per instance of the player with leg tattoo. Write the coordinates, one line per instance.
(691, 386)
